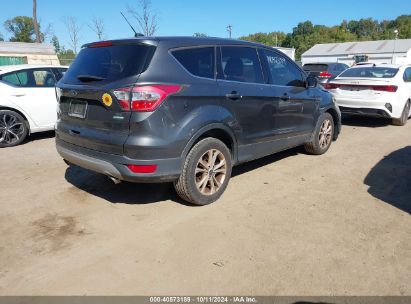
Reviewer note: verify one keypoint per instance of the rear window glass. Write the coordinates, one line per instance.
(10, 79)
(370, 72)
(109, 63)
(315, 67)
(198, 61)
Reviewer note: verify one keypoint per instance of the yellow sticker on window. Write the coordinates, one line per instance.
(107, 100)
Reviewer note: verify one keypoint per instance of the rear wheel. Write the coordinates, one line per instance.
(323, 135)
(404, 116)
(13, 128)
(206, 172)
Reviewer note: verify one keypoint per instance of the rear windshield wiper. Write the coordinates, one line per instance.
(86, 78)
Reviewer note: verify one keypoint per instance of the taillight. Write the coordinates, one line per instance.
(142, 168)
(101, 44)
(325, 74)
(144, 98)
(330, 86)
(385, 88)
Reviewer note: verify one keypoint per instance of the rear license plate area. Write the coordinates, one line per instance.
(78, 108)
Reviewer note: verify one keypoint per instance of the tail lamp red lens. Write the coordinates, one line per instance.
(381, 88)
(101, 44)
(325, 74)
(144, 98)
(142, 168)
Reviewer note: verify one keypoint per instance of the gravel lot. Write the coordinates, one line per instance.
(289, 224)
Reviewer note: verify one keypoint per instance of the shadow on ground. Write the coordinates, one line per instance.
(125, 192)
(390, 179)
(133, 193)
(39, 136)
(365, 121)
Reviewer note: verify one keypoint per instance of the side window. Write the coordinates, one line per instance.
(407, 75)
(10, 78)
(198, 61)
(43, 78)
(241, 64)
(283, 72)
(59, 73)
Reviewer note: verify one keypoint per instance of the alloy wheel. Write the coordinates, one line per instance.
(11, 128)
(325, 135)
(210, 172)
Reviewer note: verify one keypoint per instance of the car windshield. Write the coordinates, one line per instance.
(370, 72)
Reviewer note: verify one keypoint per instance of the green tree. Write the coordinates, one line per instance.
(66, 56)
(1, 37)
(22, 28)
(56, 44)
(403, 25)
(270, 39)
(200, 35)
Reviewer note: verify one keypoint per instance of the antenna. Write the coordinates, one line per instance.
(132, 28)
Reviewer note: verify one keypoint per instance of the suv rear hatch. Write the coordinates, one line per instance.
(89, 94)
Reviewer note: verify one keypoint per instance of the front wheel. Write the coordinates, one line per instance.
(206, 172)
(323, 135)
(13, 128)
(402, 121)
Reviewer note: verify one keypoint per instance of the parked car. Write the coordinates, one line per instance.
(375, 90)
(325, 71)
(186, 109)
(27, 101)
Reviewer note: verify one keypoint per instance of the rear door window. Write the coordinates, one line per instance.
(30, 78)
(240, 64)
(407, 75)
(198, 61)
(10, 78)
(109, 63)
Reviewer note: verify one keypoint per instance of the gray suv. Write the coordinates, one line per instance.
(186, 110)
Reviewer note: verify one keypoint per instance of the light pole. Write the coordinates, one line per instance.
(229, 30)
(395, 40)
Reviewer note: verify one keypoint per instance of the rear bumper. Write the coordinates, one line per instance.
(115, 165)
(365, 112)
(374, 107)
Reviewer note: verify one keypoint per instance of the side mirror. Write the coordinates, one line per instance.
(311, 82)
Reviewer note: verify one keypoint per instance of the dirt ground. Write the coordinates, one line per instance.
(288, 224)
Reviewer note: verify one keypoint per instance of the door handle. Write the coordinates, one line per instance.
(285, 97)
(74, 132)
(15, 94)
(233, 96)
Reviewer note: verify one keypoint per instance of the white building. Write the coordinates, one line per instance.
(31, 53)
(379, 51)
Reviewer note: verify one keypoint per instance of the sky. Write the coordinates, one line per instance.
(185, 17)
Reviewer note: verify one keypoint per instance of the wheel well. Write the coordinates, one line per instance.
(17, 111)
(334, 114)
(220, 134)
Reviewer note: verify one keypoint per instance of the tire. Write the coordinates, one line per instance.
(203, 180)
(402, 121)
(13, 128)
(323, 135)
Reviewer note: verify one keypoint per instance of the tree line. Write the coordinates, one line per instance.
(305, 34)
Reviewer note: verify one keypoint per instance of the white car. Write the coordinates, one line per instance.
(27, 101)
(374, 90)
